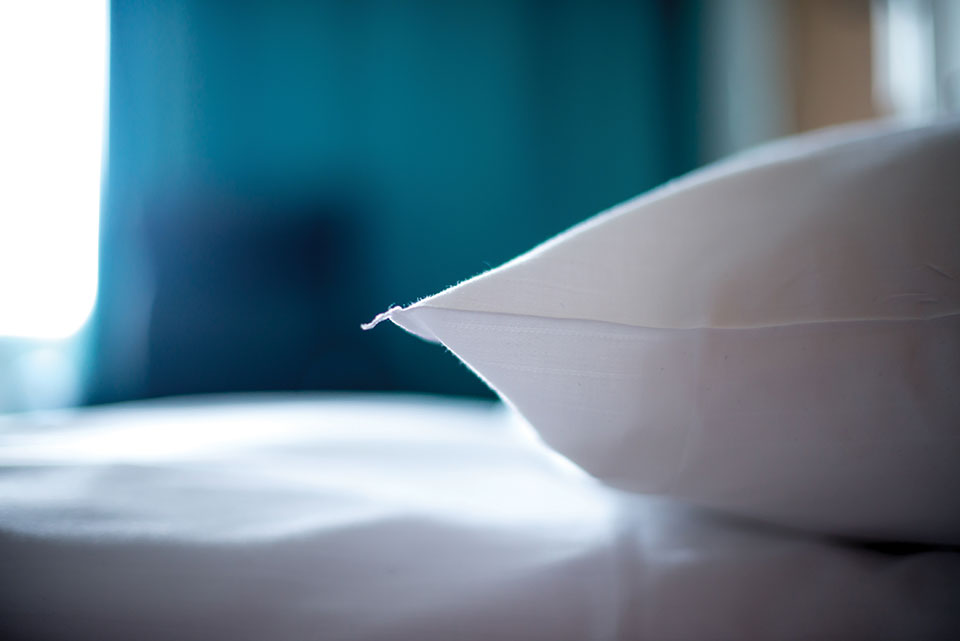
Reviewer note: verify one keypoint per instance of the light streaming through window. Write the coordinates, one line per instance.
(53, 69)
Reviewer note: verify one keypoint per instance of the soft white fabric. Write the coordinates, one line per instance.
(852, 223)
(383, 518)
(777, 335)
(733, 420)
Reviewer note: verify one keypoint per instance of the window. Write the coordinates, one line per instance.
(53, 69)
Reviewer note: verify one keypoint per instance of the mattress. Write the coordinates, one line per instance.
(401, 517)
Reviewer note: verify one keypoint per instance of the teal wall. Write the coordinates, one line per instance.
(462, 133)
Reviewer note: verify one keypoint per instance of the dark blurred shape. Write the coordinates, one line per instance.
(242, 305)
(279, 172)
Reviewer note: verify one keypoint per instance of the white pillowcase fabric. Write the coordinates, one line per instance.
(376, 517)
(777, 336)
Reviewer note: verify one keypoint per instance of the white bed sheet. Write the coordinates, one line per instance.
(384, 517)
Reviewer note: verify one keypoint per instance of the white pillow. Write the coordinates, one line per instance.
(776, 336)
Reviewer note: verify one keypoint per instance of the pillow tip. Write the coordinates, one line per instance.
(379, 318)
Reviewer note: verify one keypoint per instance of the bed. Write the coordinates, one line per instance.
(358, 516)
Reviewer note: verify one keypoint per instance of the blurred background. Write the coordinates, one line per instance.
(210, 196)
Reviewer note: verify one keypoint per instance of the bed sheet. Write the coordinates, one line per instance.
(392, 517)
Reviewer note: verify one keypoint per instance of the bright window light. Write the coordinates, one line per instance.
(53, 66)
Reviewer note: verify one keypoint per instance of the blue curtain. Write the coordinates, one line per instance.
(279, 172)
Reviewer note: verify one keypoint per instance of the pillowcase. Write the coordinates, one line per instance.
(776, 336)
